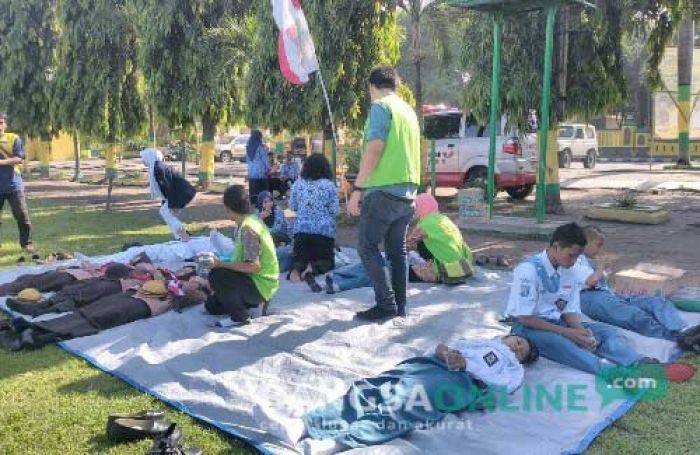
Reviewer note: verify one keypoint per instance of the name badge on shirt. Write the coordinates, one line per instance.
(561, 304)
(491, 359)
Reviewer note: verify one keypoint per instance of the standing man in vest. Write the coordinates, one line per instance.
(11, 188)
(387, 185)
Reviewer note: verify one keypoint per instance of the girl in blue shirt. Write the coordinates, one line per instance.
(273, 217)
(315, 200)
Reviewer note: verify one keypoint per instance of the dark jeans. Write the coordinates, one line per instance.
(18, 205)
(315, 250)
(255, 187)
(385, 218)
(53, 280)
(234, 293)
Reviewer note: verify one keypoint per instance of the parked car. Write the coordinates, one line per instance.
(229, 148)
(577, 142)
(462, 151)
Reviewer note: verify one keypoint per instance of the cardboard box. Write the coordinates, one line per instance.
(649, 279)
(472, 207)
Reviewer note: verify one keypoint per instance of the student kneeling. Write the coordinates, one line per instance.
(252, 276)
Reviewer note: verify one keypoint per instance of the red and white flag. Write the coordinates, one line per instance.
(297, 54)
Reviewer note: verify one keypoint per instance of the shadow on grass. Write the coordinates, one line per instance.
(102, 384)
(18, 363)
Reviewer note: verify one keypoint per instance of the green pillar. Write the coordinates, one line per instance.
(544, 114)
(495, 112)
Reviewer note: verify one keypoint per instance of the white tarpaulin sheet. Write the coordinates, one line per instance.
(307, 352)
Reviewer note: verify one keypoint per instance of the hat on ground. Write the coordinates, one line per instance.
(155, 288)
(29, 295)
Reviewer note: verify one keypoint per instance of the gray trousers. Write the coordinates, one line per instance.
(385, 218)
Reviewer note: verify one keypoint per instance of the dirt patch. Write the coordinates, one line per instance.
(676, 243)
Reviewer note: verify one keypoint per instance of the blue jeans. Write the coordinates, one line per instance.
(612, 345)
(285, 258)
(654, 317)
(352, 277)
(385, 218)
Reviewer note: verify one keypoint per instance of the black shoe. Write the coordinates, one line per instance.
(170, 444)
(689, 339)
(401, 312)
(311, 281)
(152, 414)
(329, 285)
(128, 429)
(377, 313)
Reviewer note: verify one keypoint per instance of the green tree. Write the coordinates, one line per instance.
(350, 36)
(588, 71)
(27, 62)
(97, 83)
(193, 55)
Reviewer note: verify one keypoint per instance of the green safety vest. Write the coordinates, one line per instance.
(400, 160)
(454, 262)
(267, 278)
(7, 144)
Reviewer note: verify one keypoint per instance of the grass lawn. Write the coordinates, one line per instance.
(52, 402)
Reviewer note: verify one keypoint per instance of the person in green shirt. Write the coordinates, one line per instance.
(251, 278)
(439, 253)
(387, 185)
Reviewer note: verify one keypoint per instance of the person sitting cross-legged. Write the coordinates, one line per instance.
(417, 393)
(252, 276)
(544, 307)
(650, 316)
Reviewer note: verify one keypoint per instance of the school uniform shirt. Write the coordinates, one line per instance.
(491, 362)
(583, 269)
(531, 296)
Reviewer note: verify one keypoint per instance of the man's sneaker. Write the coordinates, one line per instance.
(377, 313)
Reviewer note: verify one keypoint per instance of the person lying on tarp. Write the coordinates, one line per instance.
(171, 188)
(151, 298)
(651, 316)
(251, 277)
(117, 278)
(544, 307)
(438, 253)
(416, 394)
(55, 280)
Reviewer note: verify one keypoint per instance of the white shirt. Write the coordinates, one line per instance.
(492, 362)
(530, 297)
(583, 269)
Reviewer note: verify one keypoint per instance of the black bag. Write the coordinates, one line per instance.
(175, 188)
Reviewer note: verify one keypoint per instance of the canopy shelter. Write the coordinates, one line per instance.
(499, 8)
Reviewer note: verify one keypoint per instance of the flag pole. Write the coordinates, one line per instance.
(330, 116)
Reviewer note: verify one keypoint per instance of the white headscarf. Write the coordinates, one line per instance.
(150, 156)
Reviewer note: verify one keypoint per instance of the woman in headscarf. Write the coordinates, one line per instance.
(171, 188)
(258, 165)
(273, 217)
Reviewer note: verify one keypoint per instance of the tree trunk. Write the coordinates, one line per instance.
(418, 58)
(76, 154)
(686, 36)
(553, 194)
(151, 124)
(207, 151)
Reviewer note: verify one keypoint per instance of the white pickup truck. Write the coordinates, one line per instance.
(462, 154)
